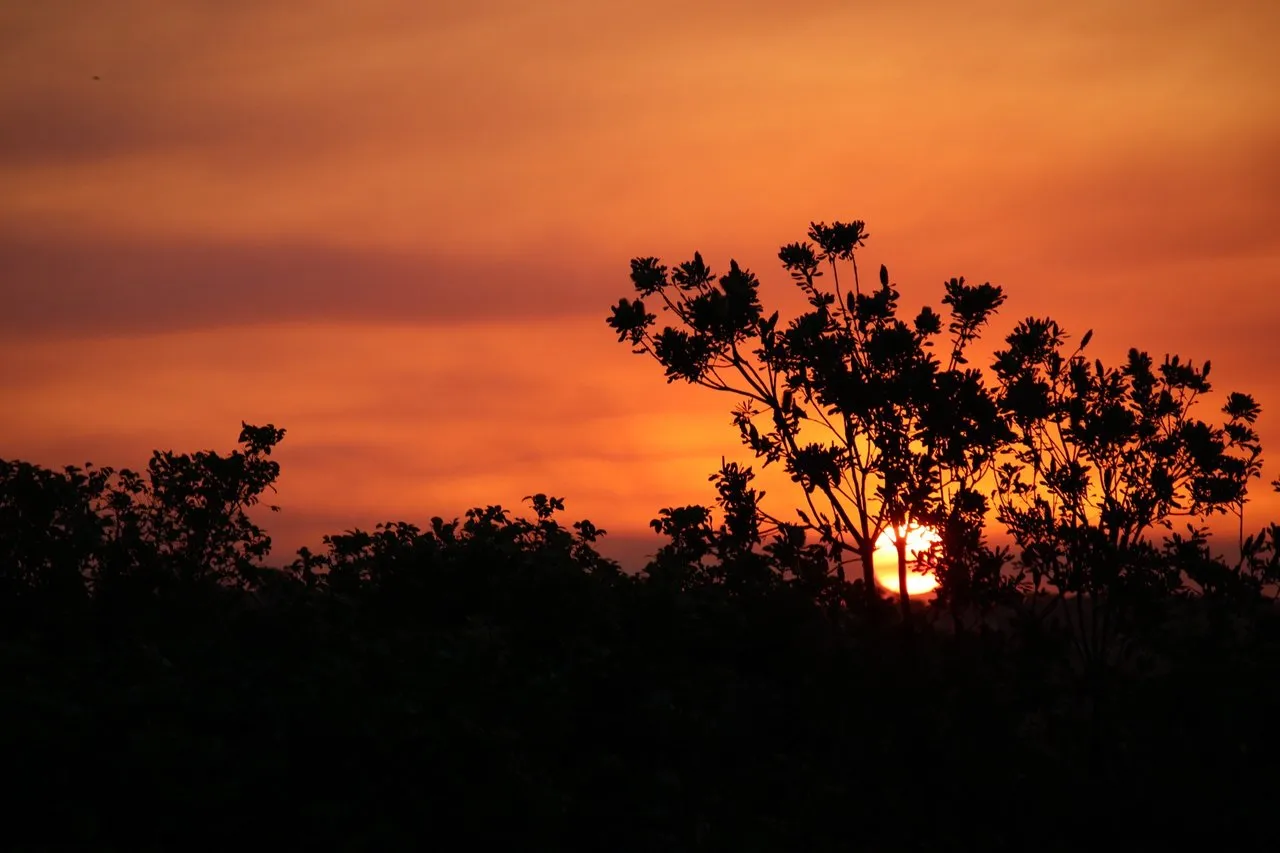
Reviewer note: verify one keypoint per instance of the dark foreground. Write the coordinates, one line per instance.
(518, 699)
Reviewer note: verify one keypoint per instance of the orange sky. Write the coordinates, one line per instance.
(395, 227)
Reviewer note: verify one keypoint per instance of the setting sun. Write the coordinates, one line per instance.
(886, 565)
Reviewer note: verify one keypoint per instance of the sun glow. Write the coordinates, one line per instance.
(886, 561)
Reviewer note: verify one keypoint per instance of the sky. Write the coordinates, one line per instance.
(395, 228)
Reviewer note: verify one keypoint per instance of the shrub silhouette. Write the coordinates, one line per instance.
(185, 521)
(1101, 458)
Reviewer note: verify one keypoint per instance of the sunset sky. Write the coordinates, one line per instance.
(395, 227)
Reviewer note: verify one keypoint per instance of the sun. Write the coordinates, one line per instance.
(886, 561)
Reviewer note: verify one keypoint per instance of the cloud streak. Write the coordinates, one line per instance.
(73, 285)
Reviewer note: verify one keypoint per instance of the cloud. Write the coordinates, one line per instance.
(82, 285)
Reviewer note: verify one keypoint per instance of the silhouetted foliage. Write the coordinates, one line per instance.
(878, 432)
(1103, 456)
(1260, 557)
(496, 678)
(184, 521)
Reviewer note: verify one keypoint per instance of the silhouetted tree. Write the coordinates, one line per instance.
(50, 530)
(871, 425)
(1102, 457)
(185, 520)
(194, 507)
(700, 552)
(1259, 561)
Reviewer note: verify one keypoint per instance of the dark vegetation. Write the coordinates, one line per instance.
(493, 679)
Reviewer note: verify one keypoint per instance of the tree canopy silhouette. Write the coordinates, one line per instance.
(90, 529)
(1103, 456)
(878, 431)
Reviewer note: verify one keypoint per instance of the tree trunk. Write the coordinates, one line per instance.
(867, 550)
(904, 600)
